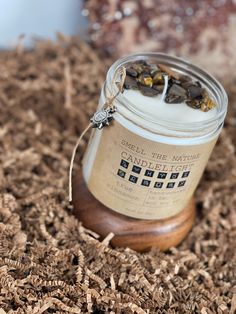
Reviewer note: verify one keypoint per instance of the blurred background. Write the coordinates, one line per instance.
(39, 19)
(203, 31)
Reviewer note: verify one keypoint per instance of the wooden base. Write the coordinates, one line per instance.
(137, 234)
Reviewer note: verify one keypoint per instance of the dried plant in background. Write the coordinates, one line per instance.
(202, 30)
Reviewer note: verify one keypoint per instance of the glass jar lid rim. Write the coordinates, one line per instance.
(185, 66)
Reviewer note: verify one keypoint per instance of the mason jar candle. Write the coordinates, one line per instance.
(139, 174)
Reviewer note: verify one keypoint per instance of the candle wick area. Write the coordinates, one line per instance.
(166, 78)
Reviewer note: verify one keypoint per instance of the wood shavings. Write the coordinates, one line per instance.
(50, 263)
(79, 271)
(108, 238)
(121, 279)
(68, 84)
(112, 281)
(96, 278)
(233, 304)
(134, 308)
(46, 234)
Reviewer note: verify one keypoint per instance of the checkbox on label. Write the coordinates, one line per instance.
(158, 185)
(170, 185)
(185, 174)
(145, 182)
(174, 175)
(124, 163)
(133, 179)
(182, 183)
(136, 169)
(149, 173)
(162, 175)
(121, 173)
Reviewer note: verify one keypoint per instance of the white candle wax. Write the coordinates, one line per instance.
(158, 109)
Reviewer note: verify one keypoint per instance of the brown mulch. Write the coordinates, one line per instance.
(49, 263)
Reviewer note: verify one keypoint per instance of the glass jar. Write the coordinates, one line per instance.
(146, 167)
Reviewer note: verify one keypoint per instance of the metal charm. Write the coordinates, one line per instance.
(102, 117)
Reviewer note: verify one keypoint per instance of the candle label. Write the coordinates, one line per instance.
(144, 179)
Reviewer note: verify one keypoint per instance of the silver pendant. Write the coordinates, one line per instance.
(102, 118)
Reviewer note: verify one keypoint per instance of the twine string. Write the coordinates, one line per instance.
(88, 127)
(118, 81)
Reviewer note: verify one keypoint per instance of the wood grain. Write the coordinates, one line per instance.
(137, 234)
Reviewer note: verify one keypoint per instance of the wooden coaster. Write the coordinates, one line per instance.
(137, 234)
